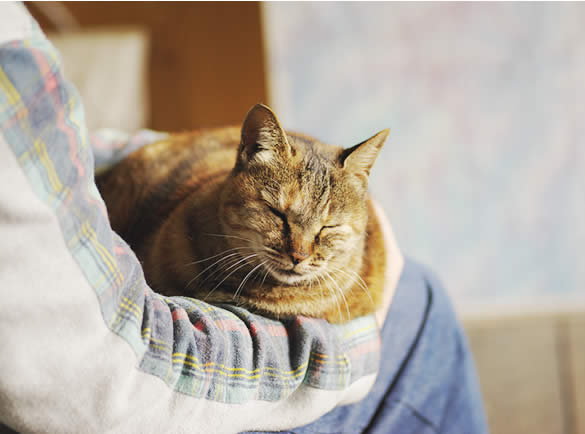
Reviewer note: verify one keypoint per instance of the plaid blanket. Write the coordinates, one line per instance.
(224, 353)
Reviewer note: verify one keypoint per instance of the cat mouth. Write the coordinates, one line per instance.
(291, 272)
(284, 272)
(287, 275)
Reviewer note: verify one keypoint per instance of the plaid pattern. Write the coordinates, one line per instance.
(221, 353)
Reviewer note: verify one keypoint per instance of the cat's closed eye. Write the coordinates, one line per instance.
(318, 236)
(278, 214)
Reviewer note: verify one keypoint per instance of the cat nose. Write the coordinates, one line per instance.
(298, 257)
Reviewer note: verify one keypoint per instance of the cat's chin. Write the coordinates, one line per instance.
(289, 277)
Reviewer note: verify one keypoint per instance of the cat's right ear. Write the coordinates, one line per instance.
(263, 138)
(360, 159)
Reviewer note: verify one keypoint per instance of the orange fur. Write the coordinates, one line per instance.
(272, 220)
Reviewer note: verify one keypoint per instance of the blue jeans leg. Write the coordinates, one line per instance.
(427, 381)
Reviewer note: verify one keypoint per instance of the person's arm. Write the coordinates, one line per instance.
(87, 345)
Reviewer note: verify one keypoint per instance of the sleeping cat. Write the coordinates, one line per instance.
(274, 221)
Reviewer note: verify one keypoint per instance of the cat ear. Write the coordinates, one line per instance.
(360, 158)
(262, 136)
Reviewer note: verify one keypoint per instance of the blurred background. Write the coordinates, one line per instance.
(482, 176)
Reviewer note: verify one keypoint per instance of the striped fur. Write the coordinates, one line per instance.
(275, 221)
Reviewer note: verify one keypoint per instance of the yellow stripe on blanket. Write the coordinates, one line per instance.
(103, 252)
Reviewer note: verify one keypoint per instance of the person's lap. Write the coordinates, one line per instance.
(427, 381)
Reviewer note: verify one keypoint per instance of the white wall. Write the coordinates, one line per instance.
(483, 176)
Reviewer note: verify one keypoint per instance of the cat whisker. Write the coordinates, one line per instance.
(276, 259)
(332, 293)
(226, 277)
(243, 282)
(255, 279)
(225, 236)
(215, 256)
(270, 250)
(210, 266)
(221, 268)
(256, 245)
(361, 283)
(268, 268)
(234, 237)
(322, 294)
(311, 281)
(340, 292)
(223, 280)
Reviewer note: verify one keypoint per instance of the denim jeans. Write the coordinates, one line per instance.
(427, 381)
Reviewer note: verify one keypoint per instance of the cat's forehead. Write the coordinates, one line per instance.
(303, 186)
(306, 147)
(309, 183)
(311, 166)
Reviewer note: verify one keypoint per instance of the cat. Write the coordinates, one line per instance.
(271, 220)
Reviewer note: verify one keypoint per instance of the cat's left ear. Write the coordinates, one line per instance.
(360, 158)
(262, 137)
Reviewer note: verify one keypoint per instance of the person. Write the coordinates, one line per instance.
(89, 347)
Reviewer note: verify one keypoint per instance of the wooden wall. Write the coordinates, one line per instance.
(207, 58)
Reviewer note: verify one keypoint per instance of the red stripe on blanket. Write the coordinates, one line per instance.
(231, 325)
(368, 347)
(178, 314)
(272, 330)
(199, 326)
(61, 107)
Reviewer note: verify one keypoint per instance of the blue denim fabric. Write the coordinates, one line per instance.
(427, 381)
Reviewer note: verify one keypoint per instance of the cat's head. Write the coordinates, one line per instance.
(295, 205)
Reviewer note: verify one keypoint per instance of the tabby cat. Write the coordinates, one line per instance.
(274, 221)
